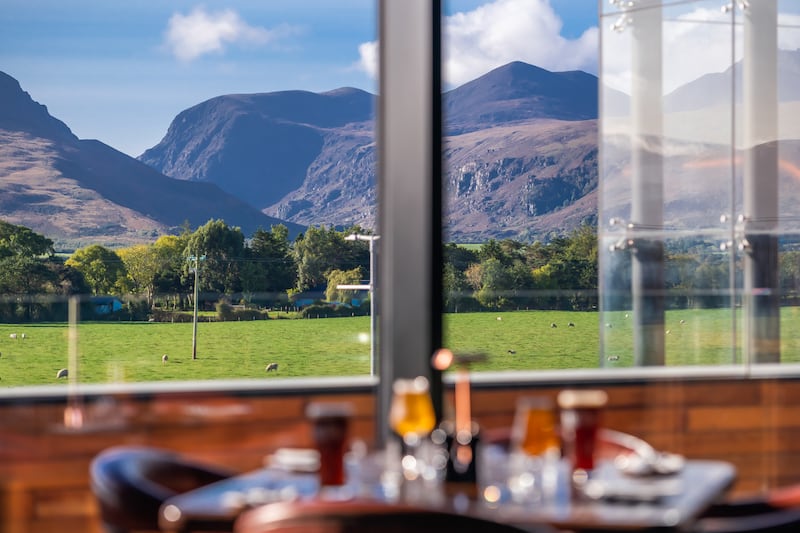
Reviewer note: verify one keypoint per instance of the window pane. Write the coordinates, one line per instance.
(223, 135)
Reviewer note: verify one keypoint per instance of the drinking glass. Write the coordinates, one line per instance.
(330, 423)
(581, 412)
(534, 429)
(411, 416)
(535, 449)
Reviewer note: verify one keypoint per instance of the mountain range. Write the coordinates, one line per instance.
(520, 154)
(79, 192)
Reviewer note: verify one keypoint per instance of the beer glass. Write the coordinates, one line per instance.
(534, 429)
(535, 449)
(411, 416)
(330, 423)
(581, 412)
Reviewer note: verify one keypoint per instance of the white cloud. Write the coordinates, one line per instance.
(368, 52)
(513, 30)
(502, 31)
(200, 32)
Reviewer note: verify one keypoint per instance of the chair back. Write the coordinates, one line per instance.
(785, 520)
(315, 516)
(130, 483)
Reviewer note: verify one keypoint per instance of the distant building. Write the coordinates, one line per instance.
(105, 305)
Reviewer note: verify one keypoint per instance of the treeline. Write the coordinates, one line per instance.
(268, 271)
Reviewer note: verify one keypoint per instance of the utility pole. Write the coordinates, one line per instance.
(371, 288)
(196, 260)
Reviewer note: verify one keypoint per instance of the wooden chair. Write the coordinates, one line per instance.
(776, 511)
(317, 516)
(130, 483)
(766, 520)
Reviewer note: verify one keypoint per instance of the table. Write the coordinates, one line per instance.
(683, 497)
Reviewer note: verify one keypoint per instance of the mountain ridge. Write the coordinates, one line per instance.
(331, 179)
(72, 190)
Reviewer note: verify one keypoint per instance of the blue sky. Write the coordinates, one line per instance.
(121, 71)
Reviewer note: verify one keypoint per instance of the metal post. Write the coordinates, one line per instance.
(647, 204)
(371, 288)
(194, 316)
(373, 342)
(760, 217)
(196, 260)
(409, 134)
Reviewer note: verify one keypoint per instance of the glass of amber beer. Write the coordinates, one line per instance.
(412, 418)
(535, 449)
(534, 429)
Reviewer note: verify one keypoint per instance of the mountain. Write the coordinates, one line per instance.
(714, 89)
(519, 92)
(520, 155)
(310, 158)
(259, 146)
(78, 192)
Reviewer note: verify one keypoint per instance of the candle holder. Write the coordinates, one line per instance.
(461, 435)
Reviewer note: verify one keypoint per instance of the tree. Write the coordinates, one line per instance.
(454, 284)
(142, 265)
(170, 250)
(496, 283)
(223, 248)
(270, 266)
(101, 267)
(342, 277)
(22, 241)
(321, 250)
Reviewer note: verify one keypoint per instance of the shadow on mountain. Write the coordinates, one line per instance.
(129, 183)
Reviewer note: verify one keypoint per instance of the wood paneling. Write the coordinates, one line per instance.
(44, 466)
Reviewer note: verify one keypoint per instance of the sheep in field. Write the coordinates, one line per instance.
(62, 373)
(164, 359)
(272, 366)
(553, 325)
(12, 336)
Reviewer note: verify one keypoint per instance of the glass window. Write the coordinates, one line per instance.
(261, 118)
(695, 227)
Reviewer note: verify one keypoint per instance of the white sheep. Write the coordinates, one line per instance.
(164, 359)
(272, 366)
(62, 373)
(13, 336)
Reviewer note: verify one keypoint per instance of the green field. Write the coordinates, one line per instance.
(520, 340)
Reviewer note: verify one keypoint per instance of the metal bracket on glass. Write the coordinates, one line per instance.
(739, 241)
(741, 4)
(624, 20)
(626, 242)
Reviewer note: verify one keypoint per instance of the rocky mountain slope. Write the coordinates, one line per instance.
(520, 153)
(78, 192)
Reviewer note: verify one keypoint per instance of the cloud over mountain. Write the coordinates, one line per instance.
(499, 32)
(202, 32)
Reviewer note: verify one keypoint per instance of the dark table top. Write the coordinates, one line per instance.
(652, 503)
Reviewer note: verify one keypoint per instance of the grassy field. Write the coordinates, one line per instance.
(521, 340)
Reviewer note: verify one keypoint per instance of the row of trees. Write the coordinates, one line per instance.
(269, 269)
